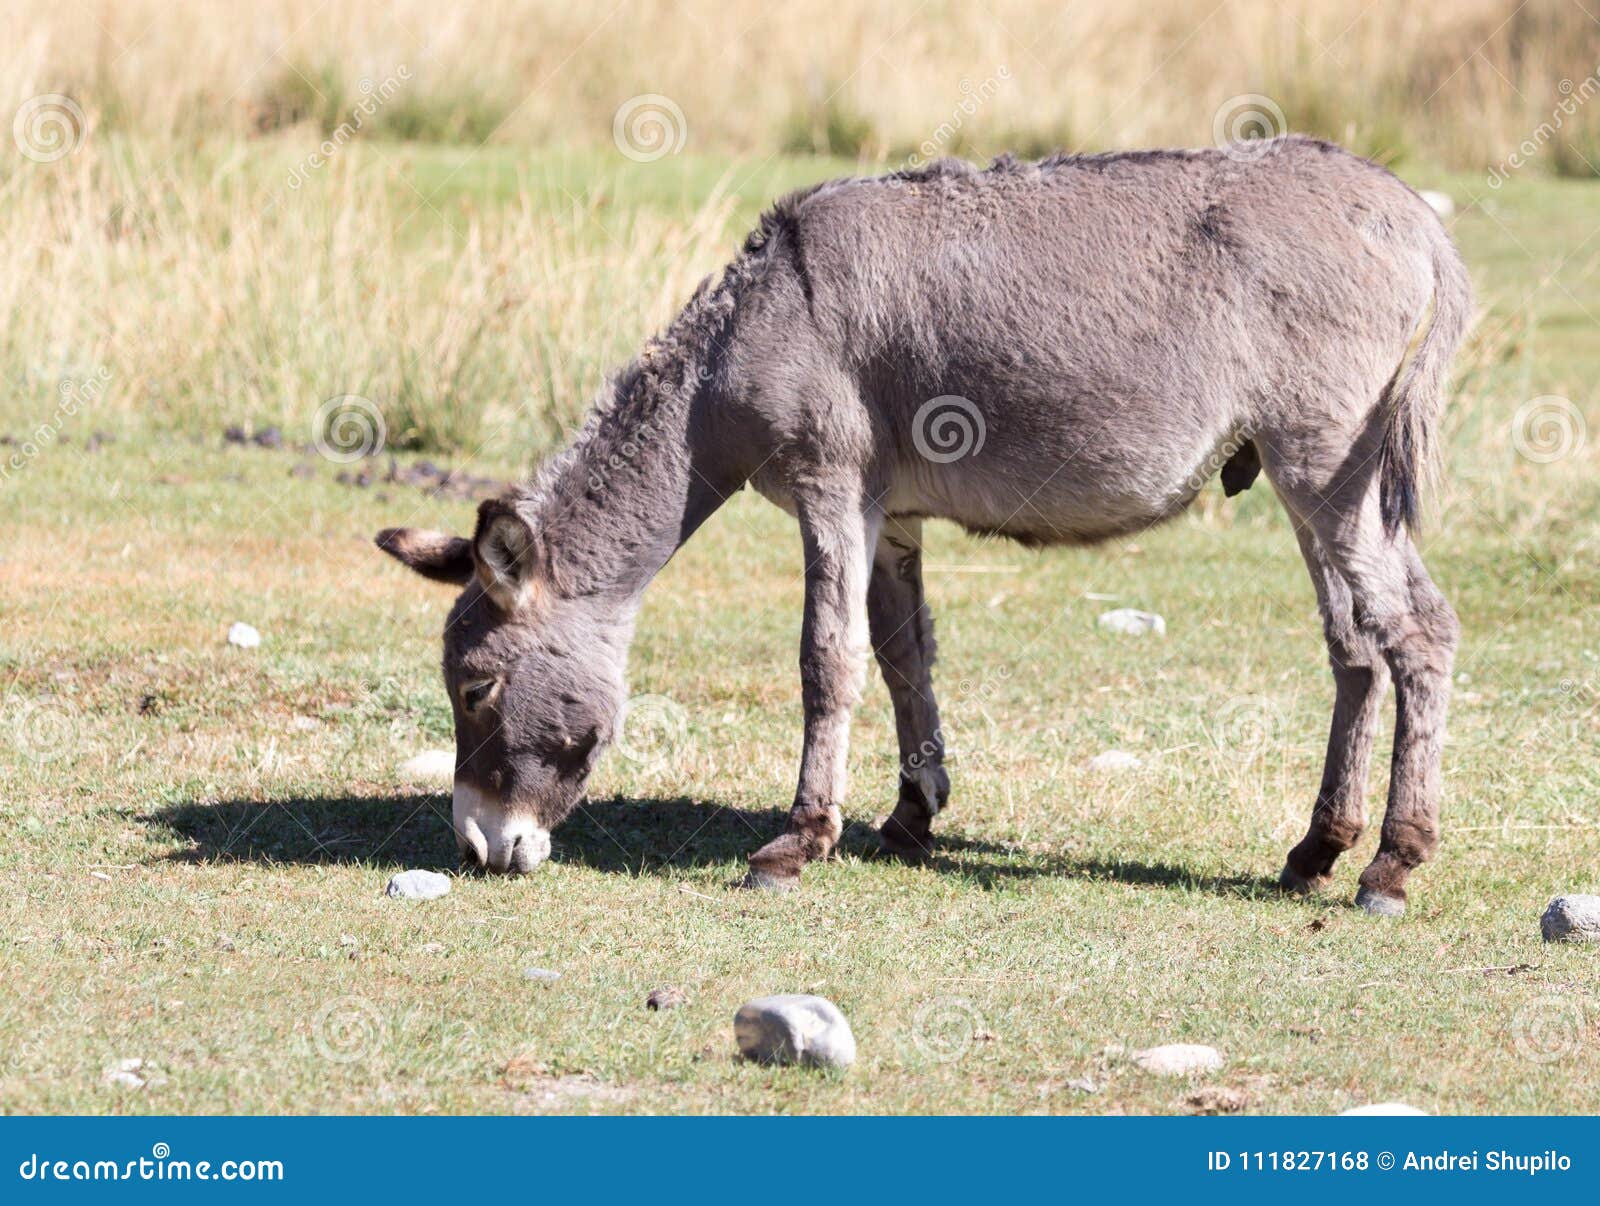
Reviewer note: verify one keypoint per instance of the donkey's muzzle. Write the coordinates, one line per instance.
(491, 838)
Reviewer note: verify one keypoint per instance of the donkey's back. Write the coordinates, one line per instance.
(1069, 349)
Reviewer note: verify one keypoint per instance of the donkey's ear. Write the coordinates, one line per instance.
(506, 548)
(432, 554)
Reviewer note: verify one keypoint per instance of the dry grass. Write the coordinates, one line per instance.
(212, 292)
(1462, 83)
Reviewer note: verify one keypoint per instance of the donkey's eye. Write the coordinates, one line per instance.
(474, 695)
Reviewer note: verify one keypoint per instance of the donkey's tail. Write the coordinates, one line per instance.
(1408, 459)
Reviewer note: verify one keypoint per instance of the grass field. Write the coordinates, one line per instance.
(198, 836)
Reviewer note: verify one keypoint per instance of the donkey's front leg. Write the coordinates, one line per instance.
(839, 539)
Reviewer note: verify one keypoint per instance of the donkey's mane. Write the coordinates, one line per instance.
(653, 392)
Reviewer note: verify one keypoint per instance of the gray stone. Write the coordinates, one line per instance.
(1572, 919)
(1178, 1059)
(1132, 622)
(1384, 1109)
(540, 975)
(430, 766)
(1441, 203)
(419, 885)
(669, 997)
(1112, 761)
(125, 1074)
(794, 1028)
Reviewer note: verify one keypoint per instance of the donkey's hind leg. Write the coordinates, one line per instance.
(1397, 607)
(1420, 647)
(1360, 677)
(902, 638)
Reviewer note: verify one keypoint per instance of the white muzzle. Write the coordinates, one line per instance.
(492, 839)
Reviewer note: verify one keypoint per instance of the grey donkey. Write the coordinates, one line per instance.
(1059, 352)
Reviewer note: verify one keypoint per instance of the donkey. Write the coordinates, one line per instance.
(1059, 351)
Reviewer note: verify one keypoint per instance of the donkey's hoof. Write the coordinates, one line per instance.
(1293, 882)
(1380, 905)
(776, 866)
(757, 880)
(897, 841)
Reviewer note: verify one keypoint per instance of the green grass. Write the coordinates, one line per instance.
(198, 836)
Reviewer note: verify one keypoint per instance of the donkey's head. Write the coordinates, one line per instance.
(535, 680)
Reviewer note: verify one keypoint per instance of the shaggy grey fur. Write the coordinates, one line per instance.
(1059, 352)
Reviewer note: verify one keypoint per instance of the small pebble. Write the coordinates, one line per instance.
(1131, 622)
(128, 1074)
(1440, 203)
(1178, 1059)
(419, 885)
(1572, 919)
(540, 975)
(430, 766)
(666, 998)
(242, 635)
(1114, 760)
(794, 1028)
(1384, 1109)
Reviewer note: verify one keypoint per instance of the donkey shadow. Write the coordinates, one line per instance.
(619, 835)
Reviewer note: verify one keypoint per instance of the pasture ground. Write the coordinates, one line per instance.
(198, 836)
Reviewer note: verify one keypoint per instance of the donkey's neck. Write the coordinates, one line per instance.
(616, 505)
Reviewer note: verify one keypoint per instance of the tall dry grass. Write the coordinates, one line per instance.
(209, 294)
(1461, 82)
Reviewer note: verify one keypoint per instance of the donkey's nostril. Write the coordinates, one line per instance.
(497, 839)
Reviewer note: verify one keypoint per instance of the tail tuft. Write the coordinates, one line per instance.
(1408, 457)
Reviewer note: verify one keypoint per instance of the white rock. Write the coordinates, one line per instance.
(1178, 1059)
(1114, 760)
(794, 1028)
(1440, 203)
(125, 1073)
(242, 635)
(430, 766)
(1384, 1109)
(541, 975)
(1572, 919)
(419, 885)
(1131, 622)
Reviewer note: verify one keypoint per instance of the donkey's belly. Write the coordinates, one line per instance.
(1052, 490)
